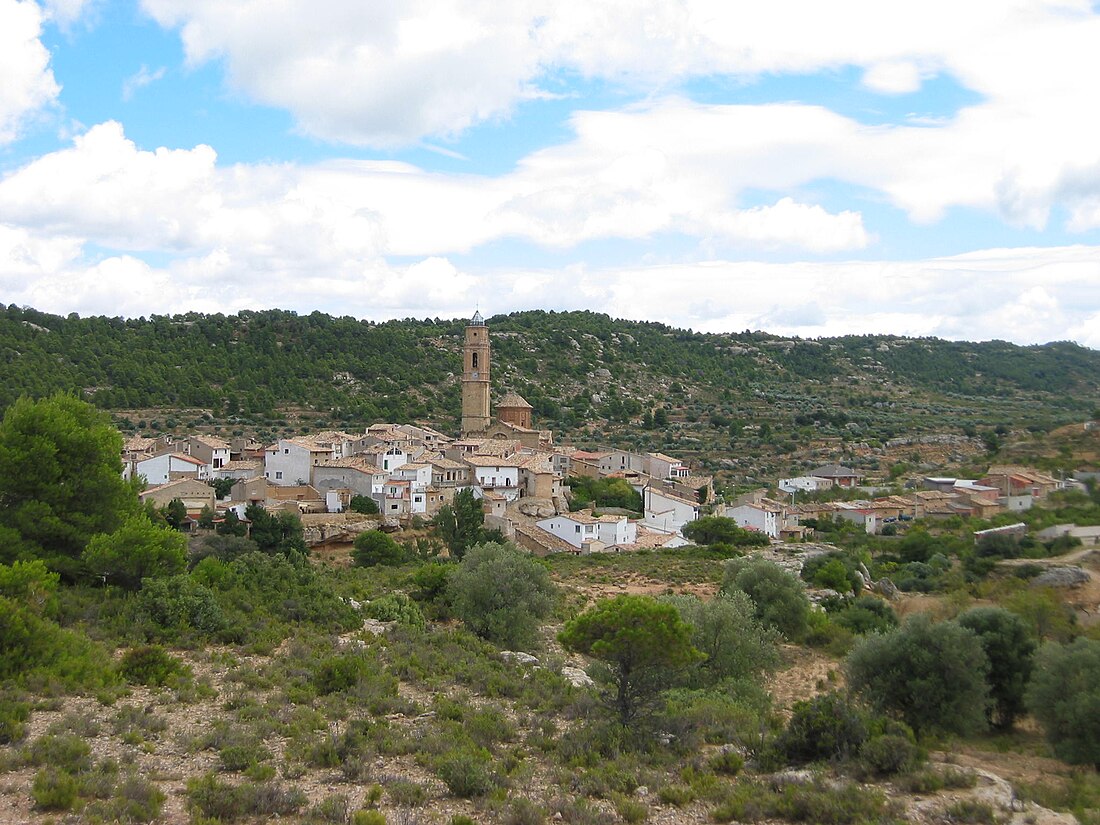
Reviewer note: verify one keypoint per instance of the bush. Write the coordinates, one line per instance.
(373, 548)
(501, 594)
(12, 716)
(406, 793)
(778, 597)
(369, 817)
(55, 790)
(174, 606)
(827, 727)
(725, 631)
(728, 762)
(467, 772)
(363, 504)
(866, 614)
(888, 755)
(817, 803)
(150, 665)
(62, 752)
(137, 550)
(1011, 650)
(341, 672)
(1064, 695)
(933, 676)
(396, 607)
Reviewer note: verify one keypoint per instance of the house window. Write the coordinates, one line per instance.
(278, 475)
(393, 506)
(286, 450)
(577, 529)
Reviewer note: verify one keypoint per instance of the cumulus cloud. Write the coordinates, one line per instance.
(28, 84)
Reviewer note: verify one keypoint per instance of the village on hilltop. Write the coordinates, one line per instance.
(519, 474)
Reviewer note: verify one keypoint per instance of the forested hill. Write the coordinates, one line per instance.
(573, 367)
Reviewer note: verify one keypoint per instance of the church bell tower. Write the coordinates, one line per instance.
(475, 377)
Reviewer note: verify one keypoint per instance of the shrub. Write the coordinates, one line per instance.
(396, 607)
(406, 793)
(1064, 695)
(373, 548)
(817, 803)
(137, 550)
(135, 800)
(341, 672)
(724, 630)
(1011, 650)
(933, 676)
(888, 755)
(172, 606)
(866, 614)
(55, 789)
(778, 597)
(677, 795)
(63, 752)
(370, 817)
(501, 594)
(467, 772)
(12, 716)
(971, 812)
(150, 665)
(631, 810)
(827, 727)
(363, 504)
(728, 762)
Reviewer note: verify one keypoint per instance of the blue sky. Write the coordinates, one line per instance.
(808, 169)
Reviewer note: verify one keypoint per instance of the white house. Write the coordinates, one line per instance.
(160, 469)
(668, 512)
(496, 473)
(759, 517)
(214, 451)
(582, 528)
(807, 484)
(659, 465)
(289, 461)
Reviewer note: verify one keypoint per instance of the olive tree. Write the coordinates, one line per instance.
(1064, 695)
(501, 594)
(1010, 648)
(931, 675)
(778, 597)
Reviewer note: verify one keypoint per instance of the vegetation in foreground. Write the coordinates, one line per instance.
(232, 679)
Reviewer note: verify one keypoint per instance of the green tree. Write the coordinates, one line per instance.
(174, 513)
(222, 486)
(363, 504)
(278, 533)
(735, 645)
(60, 481)
(232, 526)
(461, 524)
(373, 547)
(138, 549)
(1011, 651)
(778, 597)
(721, 530)
(932, 675)
(644, 644)
(1064, 695)
(501, 593)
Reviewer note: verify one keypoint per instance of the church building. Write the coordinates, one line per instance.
(513, 412)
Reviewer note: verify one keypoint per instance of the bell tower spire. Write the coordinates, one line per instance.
(475, 377)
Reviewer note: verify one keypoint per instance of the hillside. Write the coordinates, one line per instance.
(753, 403)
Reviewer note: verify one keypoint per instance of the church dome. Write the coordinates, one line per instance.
(513, 401)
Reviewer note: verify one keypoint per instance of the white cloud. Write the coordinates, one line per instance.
(28, 85)
(391, 74)
(140, 79)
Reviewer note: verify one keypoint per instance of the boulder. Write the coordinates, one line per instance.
(577, 677)
(1061, 577)
(518, 657)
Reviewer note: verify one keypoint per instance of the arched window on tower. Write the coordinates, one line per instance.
(474, 364)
